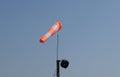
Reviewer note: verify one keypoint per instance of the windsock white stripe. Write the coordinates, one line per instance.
(47, 34)
(55, 28)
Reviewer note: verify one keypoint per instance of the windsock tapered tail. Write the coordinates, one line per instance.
(54, 29)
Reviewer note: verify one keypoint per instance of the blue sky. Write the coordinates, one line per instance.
(89, 39)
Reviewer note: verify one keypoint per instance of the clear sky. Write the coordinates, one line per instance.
(89, 39)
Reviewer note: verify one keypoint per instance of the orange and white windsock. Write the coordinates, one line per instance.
(54, 29)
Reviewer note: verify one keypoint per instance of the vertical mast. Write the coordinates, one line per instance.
(57, 61)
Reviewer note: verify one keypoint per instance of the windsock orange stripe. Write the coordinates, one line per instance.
(55, 28)
(44, 38)
(51, 31)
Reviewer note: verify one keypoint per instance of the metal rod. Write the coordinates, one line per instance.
(57, 45)
(58, 68)
(57, 61)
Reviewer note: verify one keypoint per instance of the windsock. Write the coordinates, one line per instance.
(54, 29)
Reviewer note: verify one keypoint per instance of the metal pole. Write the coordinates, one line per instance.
(58, 68)
(57, 46)
(57, 61)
